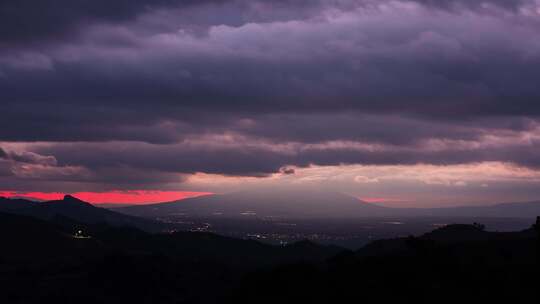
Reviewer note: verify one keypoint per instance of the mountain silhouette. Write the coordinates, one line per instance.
(29, 237)
(128, 265)
(458, 236)
(7, 204)
(446, 266)
(291, 204)
(314, 204)
(76, 209)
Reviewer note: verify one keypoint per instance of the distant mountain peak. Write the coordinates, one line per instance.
(288, 203)
(71, 199)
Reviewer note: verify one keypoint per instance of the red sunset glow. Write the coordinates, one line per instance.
(120, 197)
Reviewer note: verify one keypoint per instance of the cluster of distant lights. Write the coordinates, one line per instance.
(79, 234)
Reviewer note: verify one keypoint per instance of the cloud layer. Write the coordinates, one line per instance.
(102, 93)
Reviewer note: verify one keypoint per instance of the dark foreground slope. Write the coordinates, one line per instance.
(32, 241)
(44, 262)
(454, 264)
(76, 210)
(50, 262)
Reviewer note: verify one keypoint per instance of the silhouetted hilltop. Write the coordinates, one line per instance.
(291, 204)
(108, 264)
(450, 235)
(27, 235)
(314, 204)
(448, 265)
(15, 203)
(65, 261)
(460, 232)
(77, 210)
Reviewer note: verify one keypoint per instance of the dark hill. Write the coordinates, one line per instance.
(128, 265)
(291, 204)
(458, 236)
(77, 210)
(7, 204)
(314, 204)
(30, 236)
(34, 240)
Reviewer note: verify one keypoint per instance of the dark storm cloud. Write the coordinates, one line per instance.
(128, 86)
(26, 21)
(32, 158)
(5, 164)
(287, 170)
(245, 158)
(450, 156)
(434, 69)
(5, 169)
(183, 158)
(30, 169)
(453, 4)
(381, 129)
(27, 157)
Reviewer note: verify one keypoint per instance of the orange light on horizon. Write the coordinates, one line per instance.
(137, 197)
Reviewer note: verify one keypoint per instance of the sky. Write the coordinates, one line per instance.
(397, 102)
